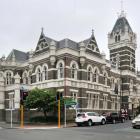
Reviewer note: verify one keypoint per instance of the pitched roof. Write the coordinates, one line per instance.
(43, 43)
(19, 55)
(121, 24)
(67, 43)
(91, 45)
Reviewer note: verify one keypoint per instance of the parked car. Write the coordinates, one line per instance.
(113, 117)
(136, 122)
(89, 118)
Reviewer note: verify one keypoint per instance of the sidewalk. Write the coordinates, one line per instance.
(4, 125)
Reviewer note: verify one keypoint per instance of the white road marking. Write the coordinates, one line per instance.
(38, 128)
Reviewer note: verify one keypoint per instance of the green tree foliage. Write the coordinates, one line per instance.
(42, 99)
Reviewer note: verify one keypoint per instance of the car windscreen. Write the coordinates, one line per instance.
(80, 115)
(114, 113)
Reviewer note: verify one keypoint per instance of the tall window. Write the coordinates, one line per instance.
(117, 38)
(113, 103)
(105, 78)
(105, 102)
(96, 76)
(8, 78)
(39, 75)
(45, 73)
(96, 101)
(60, 70)
(89, 77)
(74, 71)
(112, 83)
(25, 78)
(89, 101)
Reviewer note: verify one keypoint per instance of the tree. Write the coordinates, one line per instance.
(42, 99)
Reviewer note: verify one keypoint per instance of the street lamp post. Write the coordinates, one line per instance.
(11, 106)
(65, 108)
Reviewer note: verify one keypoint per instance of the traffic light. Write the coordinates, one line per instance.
(23, 96)
(59, 96)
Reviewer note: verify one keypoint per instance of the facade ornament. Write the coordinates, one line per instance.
(31, 66)
(82, 54)
(17, 78)
(52, 52)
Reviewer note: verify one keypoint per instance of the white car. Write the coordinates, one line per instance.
(89, 118)
(136, 122)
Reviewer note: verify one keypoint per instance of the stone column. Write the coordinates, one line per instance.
(17, 91)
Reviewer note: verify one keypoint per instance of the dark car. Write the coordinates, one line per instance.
(113, 117)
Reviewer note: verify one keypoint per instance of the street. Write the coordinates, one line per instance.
(119, 131)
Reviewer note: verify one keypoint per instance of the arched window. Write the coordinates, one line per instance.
(45, 73)
(105, 78)
(60, 70)
(112, 83)
(39, 75)
(118, 37)
(8, 78)
(73, 71)
(25, 78)
(89, 74)
(96, 76)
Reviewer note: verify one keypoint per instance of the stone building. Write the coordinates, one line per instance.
(76, 69)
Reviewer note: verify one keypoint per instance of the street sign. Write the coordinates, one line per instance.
(69, 103)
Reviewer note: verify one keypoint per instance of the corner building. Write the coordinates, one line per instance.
(97, 84)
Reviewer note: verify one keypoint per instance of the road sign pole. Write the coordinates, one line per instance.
(65, 116)
(11, 113)
(59, 112)
(22, 117)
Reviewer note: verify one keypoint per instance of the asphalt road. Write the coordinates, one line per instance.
(120, 131)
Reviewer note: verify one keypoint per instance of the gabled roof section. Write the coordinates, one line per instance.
(91, 45)
(43, 44)
(121, 24)
(18, 56)
(67, 43)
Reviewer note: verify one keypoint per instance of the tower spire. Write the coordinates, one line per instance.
(122, 14)
(42, 30)
(122, 6)
(92, 31)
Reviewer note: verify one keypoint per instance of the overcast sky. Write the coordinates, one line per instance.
(21, 21)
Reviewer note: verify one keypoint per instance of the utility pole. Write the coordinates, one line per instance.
(65, 108)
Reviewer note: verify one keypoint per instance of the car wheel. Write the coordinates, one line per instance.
(89, 122)
(103, 121)
(78, 124)
(123, 120)
(113, 121)
(134, 127)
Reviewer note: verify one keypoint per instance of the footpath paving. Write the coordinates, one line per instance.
(4, 125)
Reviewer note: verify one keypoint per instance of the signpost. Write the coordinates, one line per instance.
(68, 103)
